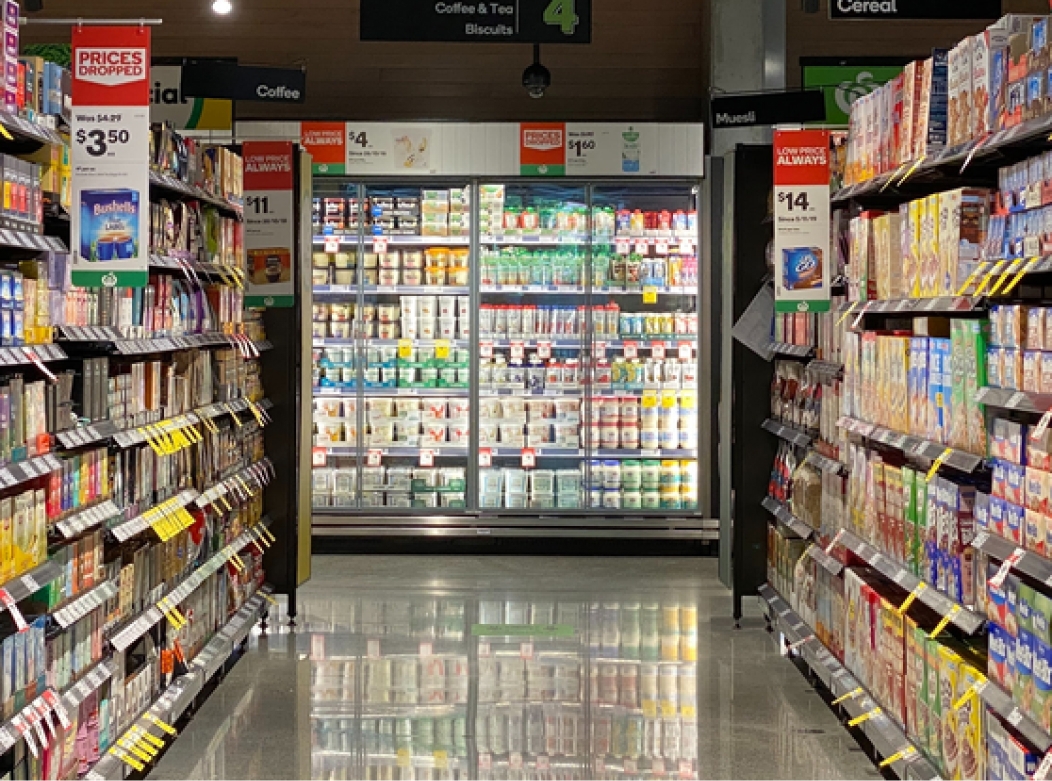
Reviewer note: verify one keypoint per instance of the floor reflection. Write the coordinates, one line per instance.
(513, 669)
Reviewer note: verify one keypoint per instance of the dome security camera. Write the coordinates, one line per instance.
(536, 78)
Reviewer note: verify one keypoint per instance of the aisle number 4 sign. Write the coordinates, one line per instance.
(801, 221)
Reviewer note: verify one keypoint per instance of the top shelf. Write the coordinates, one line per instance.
(24, 130)
(173, 186)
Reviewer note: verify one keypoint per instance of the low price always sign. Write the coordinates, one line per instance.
(801, 221)
(110, 135)
(269, 225)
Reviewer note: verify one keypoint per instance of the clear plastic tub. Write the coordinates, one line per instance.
(400, 500)
(517, 501)
(491, 481)
(542, 481)
(515, 481)
(542, 501)
(491, 501)
(568, 501)
(373, 477)
(568, 481)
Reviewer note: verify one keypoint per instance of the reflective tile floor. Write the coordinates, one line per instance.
(509, 668)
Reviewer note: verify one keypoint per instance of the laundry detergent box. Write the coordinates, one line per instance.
(109, 224)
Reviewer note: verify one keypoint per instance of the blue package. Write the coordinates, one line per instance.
(802, 268)
(997, 668)
(109, 225)
(1015, 518)
(982, 511)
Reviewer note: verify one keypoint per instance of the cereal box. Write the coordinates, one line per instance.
(949, 680)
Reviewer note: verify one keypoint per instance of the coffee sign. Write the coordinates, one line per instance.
(914, 9)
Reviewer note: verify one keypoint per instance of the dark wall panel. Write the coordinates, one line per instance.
(644, 63)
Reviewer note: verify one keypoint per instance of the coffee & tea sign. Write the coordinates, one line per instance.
(269, 225)
(110, 140)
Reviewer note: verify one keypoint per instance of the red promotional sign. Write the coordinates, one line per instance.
(542, 148)
(268, 165)
(327, 144)
(801, 157)
(111, 66)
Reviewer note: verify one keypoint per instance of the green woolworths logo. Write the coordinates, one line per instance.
(847, 92)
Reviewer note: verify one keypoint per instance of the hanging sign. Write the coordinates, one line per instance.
(801, 220)
(914, 9)
(509, 21)
(110, 136)
(168, 103)
(269, 224)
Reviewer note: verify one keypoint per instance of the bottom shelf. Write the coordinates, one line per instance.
(886, 736)
(181, 693)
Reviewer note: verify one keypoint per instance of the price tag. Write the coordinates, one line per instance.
(1015, 718)
(30, 584)
(642, 247)
(668, 709)
(427, 458)
(544, 350)
(442, 349)
(631, 351)
(426, 648)
(515, 760)
(543, 763)
(650, 295)
(318, 457)
(403, 758)
(658, 767)
(661, 247)
(997, 581)
(1043, 770)
(631, 768)
(441, 760)
(484, 649)
(686, 352)
(486, 349)
(921, 588)
(405, 349)
(657, 351)
(529, 458)
(485, 762)
(668, 399)
(686, 769)
(12, 607)
(526, 651)
(518, 351)
(372, 649)
(374, 458)
(485, 457)
(686, 247)
(332, 245)
(600, 351)
(380, 245)
(650, 399)
(623, 247)
(1042, 426)
(600, 766)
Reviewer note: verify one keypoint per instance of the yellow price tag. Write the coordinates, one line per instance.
(668, 400)
(688, 711)
(238, 563)
(650, 295)
(864, 717)
(650, 399)
(895, 175)
(233, 414)
(154, 445)
(668, 710)
(912, 170)
(904, 754)
(127, 745)
(847, 313)
(122, 755)
(649, 709)
(994, 271)
(973, 691)
(150, 738)
(1012, 268)
(267, 532)
(441, 760)
(954, 611)
(405, 349)
(244, 485)
(166, 727)
(210, 425)
(442, 349)
(1022, 273)
(687, 400)
(921, 588)
(139, 736)
(849, 696)
(938, 463)
(403, 758)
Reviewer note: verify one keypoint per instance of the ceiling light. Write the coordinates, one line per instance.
(222, 7)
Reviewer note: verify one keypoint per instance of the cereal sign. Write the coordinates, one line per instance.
(801, 221)
(110, 135)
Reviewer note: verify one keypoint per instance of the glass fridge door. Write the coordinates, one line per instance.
(534, 252)
(642, 414)
(393, 402)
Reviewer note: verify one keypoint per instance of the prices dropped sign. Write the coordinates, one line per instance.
(802, 259)
(110, 138)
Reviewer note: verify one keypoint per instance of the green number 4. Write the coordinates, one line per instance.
(560, 13)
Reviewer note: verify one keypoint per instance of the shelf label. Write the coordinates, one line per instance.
(403, 758)
(332, 245)
(668, 399)
(650, 709)
(441, 760)
(318, 457)
(544, 350)
(485, 762)
(543, 763)
(600, 351)
(484, 649)
(485, 457)
(380, 245)
(642, 247)
(515, 760)
(631, 351)
(486, 349)
(631, 768)
(657, 351)
(405, 349)
(686, 247)
(997, 581)
(526, 651)
(650, 294)
(442, 349)
(12, 607)
(623, 247)
(374, 458)
(372, 649)
(426, 648)
(518, 351)
(529, 458)
(427, 458)
(1042, 426)
(661, 247)
(686, 351)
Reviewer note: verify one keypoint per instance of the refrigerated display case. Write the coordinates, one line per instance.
(577, 394)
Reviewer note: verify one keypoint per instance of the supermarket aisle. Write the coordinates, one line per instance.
(393, 653)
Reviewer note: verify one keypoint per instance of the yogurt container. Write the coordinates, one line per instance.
(427, 306)
(428, 327)
(389, 331)
(651, 472)
(612, 499)
(447, 328)
(649, 439)
(630, 437)
(631, 475)
(612, 474)
(388, 277)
